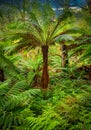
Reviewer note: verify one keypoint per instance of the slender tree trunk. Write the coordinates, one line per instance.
(64, 55)
(45, 75)
(1, 75)
(89, 5)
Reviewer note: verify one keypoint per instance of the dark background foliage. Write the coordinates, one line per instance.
(54, 3)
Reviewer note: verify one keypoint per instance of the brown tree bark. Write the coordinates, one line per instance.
(45, 75)
(1, 75)
(64, 55)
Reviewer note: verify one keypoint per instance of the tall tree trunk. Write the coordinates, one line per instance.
(1, 75)
(45, 75)
(64, 55)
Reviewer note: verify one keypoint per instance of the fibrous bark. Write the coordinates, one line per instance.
(45, 75)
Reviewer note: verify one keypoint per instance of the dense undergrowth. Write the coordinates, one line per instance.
(45, 68)
(65, 105)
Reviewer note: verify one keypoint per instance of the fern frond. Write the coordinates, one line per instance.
(49, 120)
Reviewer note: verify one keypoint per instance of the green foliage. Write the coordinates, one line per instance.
(14, 98)
(42, 121)
(66, 104)
(87, 53)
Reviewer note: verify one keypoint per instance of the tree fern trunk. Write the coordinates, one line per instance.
(64, 55)
(45, 75)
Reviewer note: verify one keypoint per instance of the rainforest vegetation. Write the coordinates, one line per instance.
(45, 67)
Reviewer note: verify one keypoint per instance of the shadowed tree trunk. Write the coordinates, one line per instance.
(90, 72)
(89, 5)
(64, 52)
(1, 75)
(45, 75)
